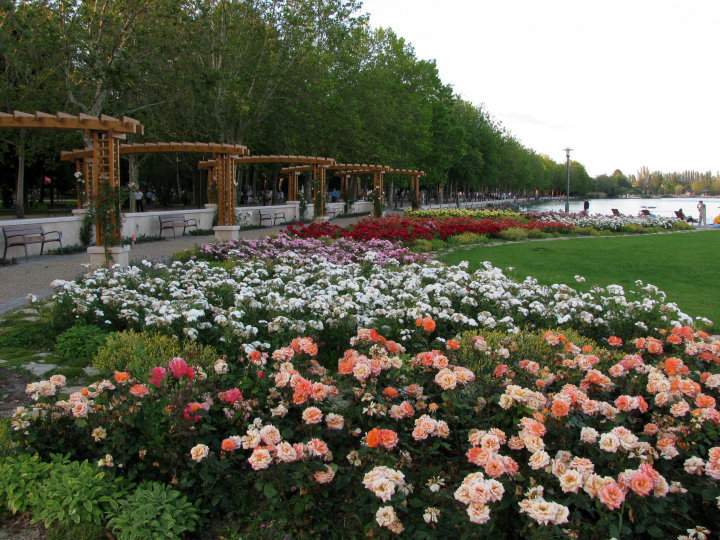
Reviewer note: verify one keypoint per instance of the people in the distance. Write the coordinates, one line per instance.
(702, 211)
(139, 201)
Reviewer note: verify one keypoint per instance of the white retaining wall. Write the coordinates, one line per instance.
(148, 223)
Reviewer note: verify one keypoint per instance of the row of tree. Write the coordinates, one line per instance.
(279, 76)
(676, 183)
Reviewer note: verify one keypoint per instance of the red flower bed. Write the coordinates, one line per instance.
(316, 229)
(407, 229)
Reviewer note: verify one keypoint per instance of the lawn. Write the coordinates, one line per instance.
(685, 265)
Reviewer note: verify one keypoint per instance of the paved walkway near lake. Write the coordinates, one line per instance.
(34, 276)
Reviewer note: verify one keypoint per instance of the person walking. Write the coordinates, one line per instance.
(702, 211)
(139, 201)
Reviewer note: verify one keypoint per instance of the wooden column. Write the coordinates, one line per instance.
(293, 186)
(212, 185)
(227, 195)
(378, 184)
(318, 175)
(105, 187)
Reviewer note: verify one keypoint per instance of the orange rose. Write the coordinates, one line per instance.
(121, 377)
(428, 325)
(390, 392)
(560, 408)
(388, 438)
(453, 344)
(228, 445)
(615, 341)
(373, 438)
(705, 401)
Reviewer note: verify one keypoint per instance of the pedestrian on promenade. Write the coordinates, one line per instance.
(139, 201)
(702, 210)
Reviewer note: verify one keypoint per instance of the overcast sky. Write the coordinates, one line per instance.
(625, 83)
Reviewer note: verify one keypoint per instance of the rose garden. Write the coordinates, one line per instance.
(405, 340)
(341, 382)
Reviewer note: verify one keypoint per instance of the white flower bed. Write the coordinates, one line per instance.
(258, 302)
(603, 222)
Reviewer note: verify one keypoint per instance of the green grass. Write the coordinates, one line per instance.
(685, 265)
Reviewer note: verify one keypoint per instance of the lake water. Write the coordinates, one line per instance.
(660, 207)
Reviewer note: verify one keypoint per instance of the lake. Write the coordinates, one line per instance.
(632, 207)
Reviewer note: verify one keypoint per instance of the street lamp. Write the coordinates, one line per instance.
(567, 192)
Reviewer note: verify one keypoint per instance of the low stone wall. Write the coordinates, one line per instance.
(148, 223)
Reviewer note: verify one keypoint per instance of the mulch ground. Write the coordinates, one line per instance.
(12, 391)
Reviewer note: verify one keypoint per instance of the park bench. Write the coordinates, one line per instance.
(176, 220)
(272, 217)
(616, 212)
(23, 235)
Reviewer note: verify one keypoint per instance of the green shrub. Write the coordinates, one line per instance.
(74, 500)
(586, 231)
(536, 233)
(438, 244)
(154, 511)
(186, 254)
(514, 234)
(77, 345)
(138, 352)
(681, 226)
(633, 228)
(468, 238)
(17, 333)
(6, 443)
(21, 477)
(422, 245)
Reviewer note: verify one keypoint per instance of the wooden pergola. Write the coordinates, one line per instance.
(221, 182)
(312, 164)
(103, 158)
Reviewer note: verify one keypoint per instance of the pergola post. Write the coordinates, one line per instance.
(293, 186)
(318, 175)
(212, 185)
(226, 229)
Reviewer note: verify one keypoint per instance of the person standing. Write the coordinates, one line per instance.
(139, 201)
(586, 207)
(702, 211)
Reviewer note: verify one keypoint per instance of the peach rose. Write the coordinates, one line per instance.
(312, 415)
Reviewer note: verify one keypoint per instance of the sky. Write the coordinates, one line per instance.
(625, 84)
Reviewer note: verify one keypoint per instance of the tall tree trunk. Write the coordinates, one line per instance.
(133, 183)
(20, 188)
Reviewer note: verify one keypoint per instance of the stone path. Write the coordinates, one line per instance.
(17, 281)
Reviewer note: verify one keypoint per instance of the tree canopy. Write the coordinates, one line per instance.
(279, 76)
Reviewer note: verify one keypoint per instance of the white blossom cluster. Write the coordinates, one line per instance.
(608, 223)
(255, 300)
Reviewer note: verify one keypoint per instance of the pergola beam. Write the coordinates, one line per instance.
(163, 148)
(42, 120)
(278, 159)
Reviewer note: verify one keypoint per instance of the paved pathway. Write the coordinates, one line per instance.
(17, 281)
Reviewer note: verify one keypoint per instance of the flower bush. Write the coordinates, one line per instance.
(282, 247)
(607, 223)
(485, 213)
(587, 439)
(407, 229)
(258, 304)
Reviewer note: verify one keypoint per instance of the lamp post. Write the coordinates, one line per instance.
(567, 192)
